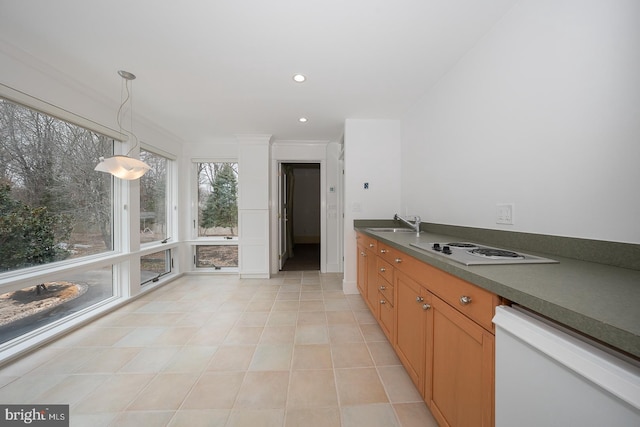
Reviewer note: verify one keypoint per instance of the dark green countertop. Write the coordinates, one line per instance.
(598, 300)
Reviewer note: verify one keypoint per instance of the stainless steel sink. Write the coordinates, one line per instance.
(390, 230)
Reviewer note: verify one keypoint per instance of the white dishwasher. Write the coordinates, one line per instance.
(547, 376)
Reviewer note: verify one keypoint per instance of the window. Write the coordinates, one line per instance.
(155, 265)
(53, 205)
(55, 208)
(43, 303)
(153, 198)
(216, 256)
(217, 200)
(217, 216)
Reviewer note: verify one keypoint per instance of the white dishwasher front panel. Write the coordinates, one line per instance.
(548, 377)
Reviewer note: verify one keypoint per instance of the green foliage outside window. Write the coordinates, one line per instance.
(221, 206)
(29, 236)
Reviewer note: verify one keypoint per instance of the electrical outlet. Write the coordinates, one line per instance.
(504, 213)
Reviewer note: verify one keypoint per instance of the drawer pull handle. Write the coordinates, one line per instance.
(419, 299)
(382, 301)
(382, 288)
(426, 306)
(464, 300)
(363, 254)
(371, 245)
(383, 251)
(398, 260)
(382, 270)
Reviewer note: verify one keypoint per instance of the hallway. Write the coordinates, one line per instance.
(289, 351)
(306, 257)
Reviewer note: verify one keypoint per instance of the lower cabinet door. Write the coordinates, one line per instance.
(411, 304)
(362, 271)
(461, 380)
(387, 317)
(372, 282)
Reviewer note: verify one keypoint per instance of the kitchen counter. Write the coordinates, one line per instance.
(598, 300)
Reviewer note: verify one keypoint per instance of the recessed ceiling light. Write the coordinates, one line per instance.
(302, 120)
(299, 78)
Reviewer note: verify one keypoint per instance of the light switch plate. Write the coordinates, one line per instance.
(504, 213)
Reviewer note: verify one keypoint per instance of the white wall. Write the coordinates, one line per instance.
(545, 113)
(371, 155)
(37, 79)
(325, 153)
(253, 206)
(283, 151)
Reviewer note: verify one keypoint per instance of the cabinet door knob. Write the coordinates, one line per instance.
(383, 251)
(382, 269)
(426, 306)
(371, 245)
(382, 301)
(464, 300)
(382, 288)
(398, 260)
(419, 299)
(363, 254)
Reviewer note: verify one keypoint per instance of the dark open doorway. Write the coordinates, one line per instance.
(300, 208)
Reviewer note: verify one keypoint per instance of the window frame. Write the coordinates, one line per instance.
(10, 279)
(198, 240)
(170, 198)
(168, 255)
(124, 256)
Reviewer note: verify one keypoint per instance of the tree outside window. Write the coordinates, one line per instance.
(221, 206)
(53, 205)
(218, 199)
(153, 198)
(217, 215)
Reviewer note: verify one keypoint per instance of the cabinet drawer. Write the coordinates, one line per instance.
(385, 288)
(386, 317)
(471, 300)
(385, 269)
(389, 254)
(367, 242)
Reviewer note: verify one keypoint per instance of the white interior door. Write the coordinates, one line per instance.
(283, 252)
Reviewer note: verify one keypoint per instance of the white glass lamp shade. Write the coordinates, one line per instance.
(123, 167)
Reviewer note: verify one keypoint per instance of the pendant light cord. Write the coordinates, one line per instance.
(129, 99)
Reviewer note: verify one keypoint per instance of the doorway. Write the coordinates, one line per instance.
(299, 216)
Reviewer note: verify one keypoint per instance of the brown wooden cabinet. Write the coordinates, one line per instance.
(386, 316)
(375, 283)
(361, 267)
(440, 327)
(462, 369)
(412, 304)
(367, 274)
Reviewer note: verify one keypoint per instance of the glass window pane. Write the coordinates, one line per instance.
(28, 309)
(217, 199)
(153, 198)
(216, 256)
(53, 205)
(154, 265)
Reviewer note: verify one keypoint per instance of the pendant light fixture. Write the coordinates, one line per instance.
(124, 167)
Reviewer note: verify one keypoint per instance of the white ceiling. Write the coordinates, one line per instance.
(215, 68)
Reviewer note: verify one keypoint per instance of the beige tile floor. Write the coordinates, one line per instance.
(219, 351)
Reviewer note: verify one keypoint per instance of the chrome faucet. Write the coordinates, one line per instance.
(416, 222)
